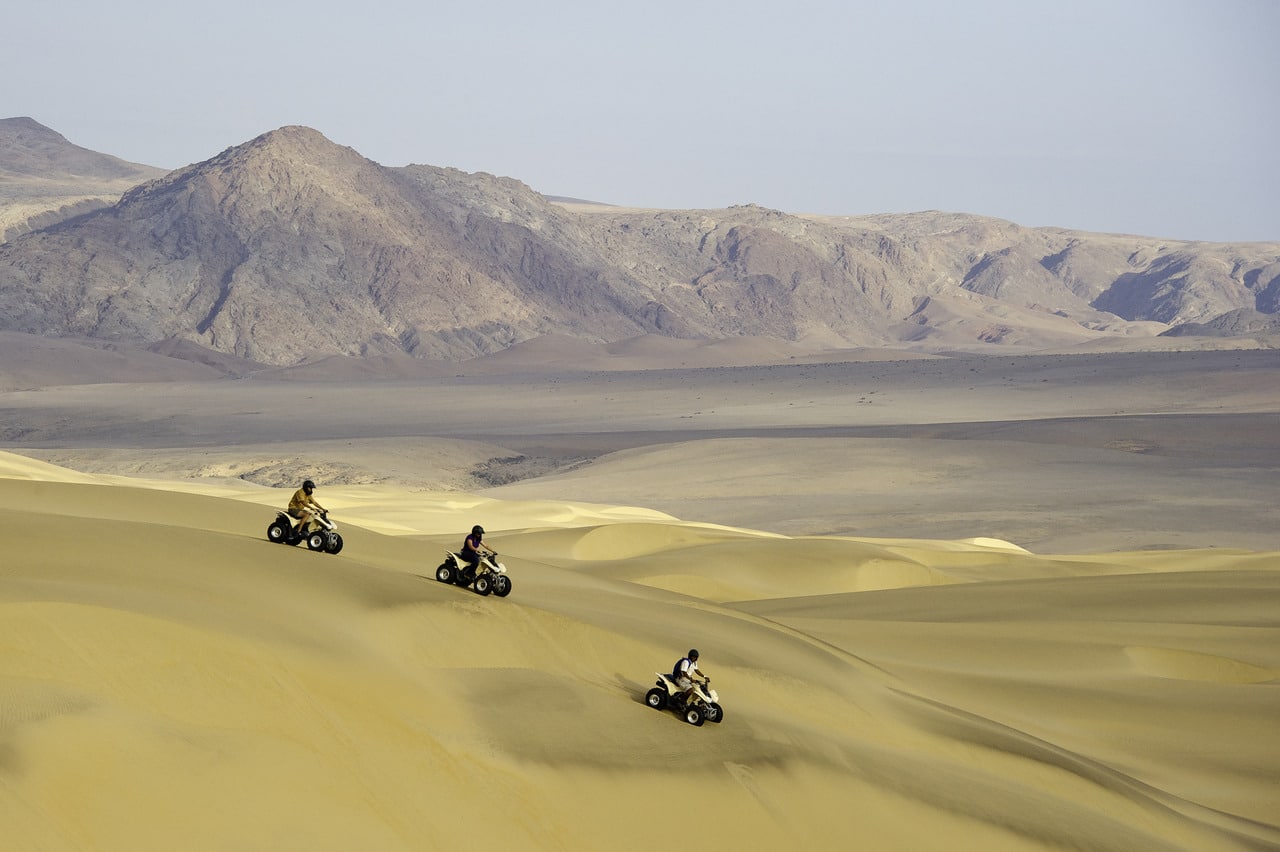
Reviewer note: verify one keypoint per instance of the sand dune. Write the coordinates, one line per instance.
(29, 361)
(939, 597)
(168, 679)
(1011, 483)
(1053, 453)
(556, 353)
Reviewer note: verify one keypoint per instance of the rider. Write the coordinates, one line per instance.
(303, 506)
(473, 547)
(686, 673)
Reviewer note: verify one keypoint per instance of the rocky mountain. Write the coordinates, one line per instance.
(1238, 323)
(289, 247)
(44, 179)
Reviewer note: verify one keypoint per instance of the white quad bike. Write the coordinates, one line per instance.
(288, 530)
(702, 706)
(491, 575)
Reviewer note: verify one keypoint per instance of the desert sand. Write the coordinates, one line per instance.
(948, 603)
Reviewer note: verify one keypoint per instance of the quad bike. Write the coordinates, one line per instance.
(287, 530)
(490, 574)
(702, 706)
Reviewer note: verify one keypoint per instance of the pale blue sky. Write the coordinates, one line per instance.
(1156, 117)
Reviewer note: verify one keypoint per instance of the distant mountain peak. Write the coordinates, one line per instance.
(26, 127)
(45, 179)
(29, 148)
(292, 137)
(294, 142)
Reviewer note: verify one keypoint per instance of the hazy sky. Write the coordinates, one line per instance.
(1156, 117)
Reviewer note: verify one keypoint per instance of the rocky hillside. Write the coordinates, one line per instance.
(44, 179)
(290, 247)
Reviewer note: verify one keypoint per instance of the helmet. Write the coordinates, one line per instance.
(477, 530)
(308, 485)
(693, 653)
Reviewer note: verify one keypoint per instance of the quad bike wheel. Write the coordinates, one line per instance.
(502, 585)
(694, 716)
(315, 540)
(483, 585)
(333, 543)
(445, 573)
(656, 698)
(715, 713)
(277, 533)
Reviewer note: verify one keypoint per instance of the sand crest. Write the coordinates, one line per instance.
(169, 679)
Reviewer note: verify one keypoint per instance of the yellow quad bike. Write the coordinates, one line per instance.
(287, 530)
(703, 704)
(490, 574)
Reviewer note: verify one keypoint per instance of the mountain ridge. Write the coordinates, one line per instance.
(289, 248)
(45, 179)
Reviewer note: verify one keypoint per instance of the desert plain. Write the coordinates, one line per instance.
(966, 601)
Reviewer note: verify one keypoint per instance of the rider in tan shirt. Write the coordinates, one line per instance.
(304, 507)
